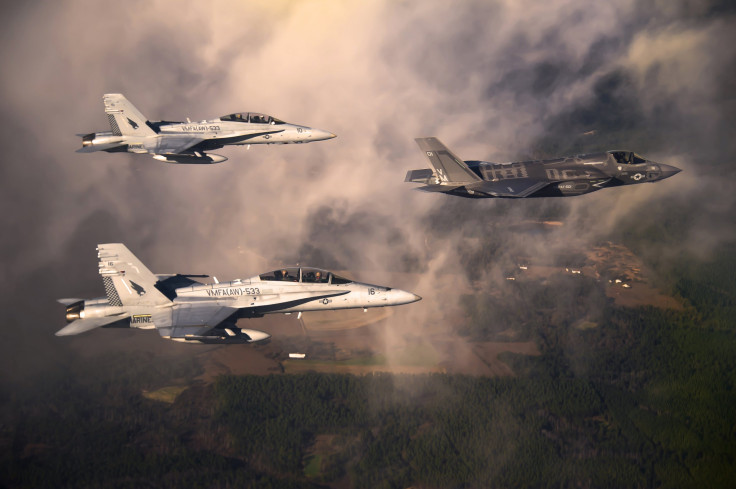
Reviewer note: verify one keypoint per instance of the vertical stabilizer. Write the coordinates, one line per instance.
(124, 118)
(448, 167)
(127, 281)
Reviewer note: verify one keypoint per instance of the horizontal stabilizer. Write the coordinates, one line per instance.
(68, 302)
(82, 325)
(419, 176)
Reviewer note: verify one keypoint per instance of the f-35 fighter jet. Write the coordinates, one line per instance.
(183, 309)
(560, 177)
(187, 142)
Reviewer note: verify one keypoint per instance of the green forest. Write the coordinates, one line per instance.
(643, 399)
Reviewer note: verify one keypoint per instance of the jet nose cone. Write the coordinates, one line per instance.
(404, 297)
(668, 170)
(319, 135)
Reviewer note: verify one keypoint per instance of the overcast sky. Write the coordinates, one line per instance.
(493, 80)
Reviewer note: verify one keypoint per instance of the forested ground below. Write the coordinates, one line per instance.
(633, 397)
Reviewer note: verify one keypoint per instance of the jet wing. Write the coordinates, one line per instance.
(438, 188)
(197, 319)
(268, 303)
(286, 301)
(178, 144)
(191, 319)
(516, 187)
(297, 296)
(217, 143)
(199, 315)
(269, 299)
(191, 145)
(82, 325)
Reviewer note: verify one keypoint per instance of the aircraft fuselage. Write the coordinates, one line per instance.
(183, 309)
(203, 136)
(575, 175)
(187, 142)
(560, 177)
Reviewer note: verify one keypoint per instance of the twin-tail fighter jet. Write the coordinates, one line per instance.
(188, 142)
(561, 177)
(183, 309)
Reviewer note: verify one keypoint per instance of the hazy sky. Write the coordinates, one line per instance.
(494, 80)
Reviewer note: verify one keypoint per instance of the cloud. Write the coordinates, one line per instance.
(496, 81)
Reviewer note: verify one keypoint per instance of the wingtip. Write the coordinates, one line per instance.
(429, 143)
(67, 330)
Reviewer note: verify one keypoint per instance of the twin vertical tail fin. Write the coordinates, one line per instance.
(125, 119)
(127, 281)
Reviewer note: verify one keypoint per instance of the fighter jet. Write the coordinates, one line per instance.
(560, 177)
(183, 309)
(187, 142)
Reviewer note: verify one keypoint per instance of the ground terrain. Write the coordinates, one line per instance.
(547, 376)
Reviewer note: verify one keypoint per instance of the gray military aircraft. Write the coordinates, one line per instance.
(183, 309)
(187, 142)
(561, 177)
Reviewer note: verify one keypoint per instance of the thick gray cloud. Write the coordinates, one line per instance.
(493, 80)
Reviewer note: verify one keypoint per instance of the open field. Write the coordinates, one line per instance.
(165, 394)
(628, 278)
(301, 366)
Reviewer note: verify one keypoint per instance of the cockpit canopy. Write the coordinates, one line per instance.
(304, 275)
(627, 157)
(251, 117)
